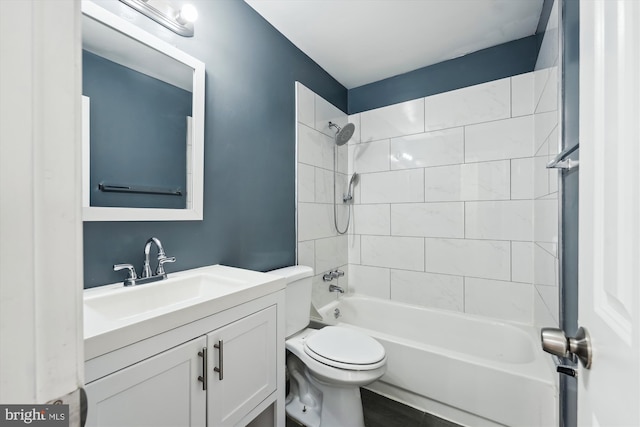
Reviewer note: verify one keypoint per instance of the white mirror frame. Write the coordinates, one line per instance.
(194, 210)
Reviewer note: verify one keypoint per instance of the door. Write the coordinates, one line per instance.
(163, 390)
(609, 300)
(242, 367)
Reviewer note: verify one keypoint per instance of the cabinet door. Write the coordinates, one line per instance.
(242, 367)
(163, 390)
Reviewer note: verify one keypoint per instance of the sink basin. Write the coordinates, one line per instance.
(166, 295)
(116, 316)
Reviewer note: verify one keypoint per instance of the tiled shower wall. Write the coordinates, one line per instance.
(319, 244)
(444, 212)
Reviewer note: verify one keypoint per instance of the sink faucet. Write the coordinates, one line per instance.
(147, 276)
(162, 259)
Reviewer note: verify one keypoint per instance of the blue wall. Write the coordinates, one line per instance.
(505, 60)
(249, 200)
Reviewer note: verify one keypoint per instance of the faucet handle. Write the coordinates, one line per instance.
(161, 262)
(131, 280)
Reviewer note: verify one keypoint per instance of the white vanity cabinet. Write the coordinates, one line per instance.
(160, 391)
(243, 355)
(222, 370)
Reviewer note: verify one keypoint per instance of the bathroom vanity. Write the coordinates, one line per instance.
(202, 348)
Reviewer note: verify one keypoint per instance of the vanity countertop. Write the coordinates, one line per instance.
(116, 316)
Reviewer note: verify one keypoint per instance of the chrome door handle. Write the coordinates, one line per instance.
(554, 341)
(203, 378)
(220, 370)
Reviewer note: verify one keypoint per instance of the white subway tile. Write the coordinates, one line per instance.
(522, 262)
(546, 220)
(307, 254)
(544, 124)
(370, 156)
(372, 219)
(473, 181)
(324, 185)
(392, 187)
(522, 94)
(428, 149)
(547, 304)
(306, 183)
(549, 98)
(499, 220)
(331, 253)
(428, 219)
(305, 105)
(405, 253)
(503, 300)
(356, 138)
(464, 257)
(522, 178)
(474, 104)
(405, 118)
(542, 316)
(545, 267)
(372, 281)
(315, 221)
(343, 161)
(540, 176)
(354, 248)
(314, 148)
(427, 289)
(501, 139)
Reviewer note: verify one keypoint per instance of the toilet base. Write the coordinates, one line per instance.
(317, 404)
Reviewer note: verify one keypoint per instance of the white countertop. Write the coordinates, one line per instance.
(116, 316)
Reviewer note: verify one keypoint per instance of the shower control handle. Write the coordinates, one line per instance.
(554, 341)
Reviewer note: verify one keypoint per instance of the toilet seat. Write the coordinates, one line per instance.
(345, 349)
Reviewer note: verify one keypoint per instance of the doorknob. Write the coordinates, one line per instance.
(554, 341)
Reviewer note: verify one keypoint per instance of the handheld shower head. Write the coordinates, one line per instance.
(355, 178)
(343, 135)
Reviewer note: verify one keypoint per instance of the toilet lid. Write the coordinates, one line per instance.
(344, 346)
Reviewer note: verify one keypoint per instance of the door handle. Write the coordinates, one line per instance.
(554, 341)
(203, 378)
(220, 370)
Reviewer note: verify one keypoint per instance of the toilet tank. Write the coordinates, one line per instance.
(297, 296)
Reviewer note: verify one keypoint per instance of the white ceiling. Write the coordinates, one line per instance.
(363, 41)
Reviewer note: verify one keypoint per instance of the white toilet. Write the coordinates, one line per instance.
(327, 366)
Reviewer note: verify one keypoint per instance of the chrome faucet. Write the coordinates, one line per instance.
(147, 276)
(333, 274)
(162, 259)
(336, 288)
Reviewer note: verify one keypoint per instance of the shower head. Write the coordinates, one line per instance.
(355, 178)
(343, 135)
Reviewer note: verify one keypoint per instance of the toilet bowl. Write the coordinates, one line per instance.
(327, 366)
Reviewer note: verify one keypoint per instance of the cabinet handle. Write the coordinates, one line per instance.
(220, 370)
(203, 378)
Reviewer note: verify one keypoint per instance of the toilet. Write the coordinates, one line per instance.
(326, 366)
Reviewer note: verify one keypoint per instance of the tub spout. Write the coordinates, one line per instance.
(336, 288)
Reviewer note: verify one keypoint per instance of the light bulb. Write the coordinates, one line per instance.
(188, 13)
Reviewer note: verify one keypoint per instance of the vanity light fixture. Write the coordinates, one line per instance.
(179, 20)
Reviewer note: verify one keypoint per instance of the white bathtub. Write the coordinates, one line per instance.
(464, 368)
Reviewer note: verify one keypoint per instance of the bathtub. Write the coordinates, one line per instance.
(468, 369)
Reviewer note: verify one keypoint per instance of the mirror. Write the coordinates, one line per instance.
(143, 124)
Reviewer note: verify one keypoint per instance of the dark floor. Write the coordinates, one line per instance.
(380, 411)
